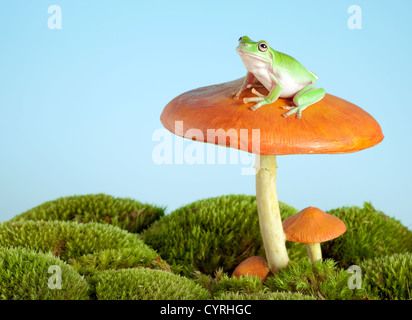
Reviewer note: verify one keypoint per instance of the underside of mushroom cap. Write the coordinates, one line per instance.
(332, 125)
(312, 225)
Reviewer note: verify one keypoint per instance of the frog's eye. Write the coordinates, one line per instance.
(263, 46)
(240, 39)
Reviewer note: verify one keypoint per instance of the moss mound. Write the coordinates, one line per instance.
(246, 285)
(145, 284)
(70, 240)
(212, 233)
(115, 259)
(124, 213)
(222, 284)
(322, 280)
(24, 276)
(95, 236)
(263, 296)
(370, 233)
(388, 277)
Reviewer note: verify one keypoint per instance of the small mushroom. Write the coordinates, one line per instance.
(252, 266)
(313, 226)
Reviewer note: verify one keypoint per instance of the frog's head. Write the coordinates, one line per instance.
(259, 50)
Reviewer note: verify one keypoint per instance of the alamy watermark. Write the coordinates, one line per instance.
(173, 151)
(55, 20)
(55, 281)
(355, 281)
(355, 20)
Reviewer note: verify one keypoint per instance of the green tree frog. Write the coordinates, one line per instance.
(280, 74)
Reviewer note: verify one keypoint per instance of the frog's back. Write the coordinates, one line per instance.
(289, 64)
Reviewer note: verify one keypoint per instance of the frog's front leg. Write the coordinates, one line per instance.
(263, 100)
(260, 99)
(260, 102)
(247, 84)
(304, 98)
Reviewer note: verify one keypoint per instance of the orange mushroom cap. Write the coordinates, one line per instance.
(331, 125)
(252, 266)
(312, 225)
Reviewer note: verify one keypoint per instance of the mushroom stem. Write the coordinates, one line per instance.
(314, 251)
(270, 222)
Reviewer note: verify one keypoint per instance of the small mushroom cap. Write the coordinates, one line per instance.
(312, 225)
(332, 125)
(252, 266)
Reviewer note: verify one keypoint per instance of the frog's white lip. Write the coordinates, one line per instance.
(239, 51)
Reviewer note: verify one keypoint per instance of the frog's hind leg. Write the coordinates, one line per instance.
(304, 98)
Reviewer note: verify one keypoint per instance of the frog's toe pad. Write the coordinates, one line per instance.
(292, 110)
(257, 93)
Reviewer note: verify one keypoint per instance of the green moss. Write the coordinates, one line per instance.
(70, 240)
(388, 277)
(114, 259)
(370, 233)
(213, 233)
(212, 236)
(263, 296)
(243, 288)
(124, 213)
(322, 280)
(24, 276)
(146, 284)
(246, 284)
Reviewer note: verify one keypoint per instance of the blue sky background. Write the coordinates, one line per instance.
(78, 106)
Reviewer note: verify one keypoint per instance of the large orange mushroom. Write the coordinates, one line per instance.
(313, 226)
(331, 125)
